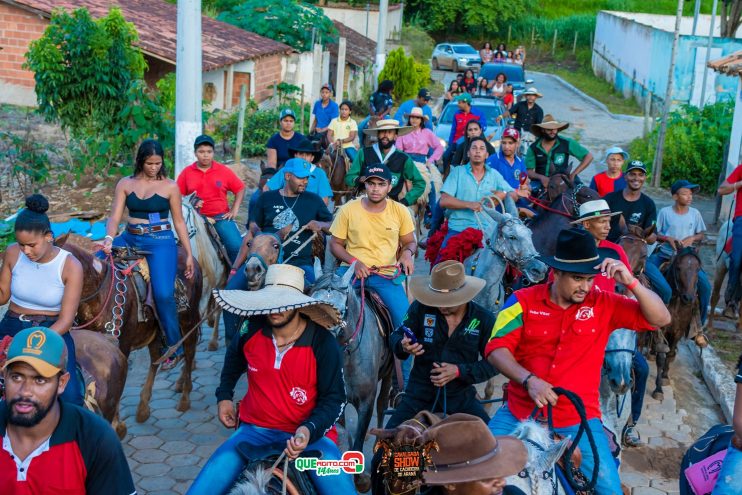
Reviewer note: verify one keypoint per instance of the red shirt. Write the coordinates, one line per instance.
(508, 99)
(736, 176)
(460, 121)
(601, 281)
(211, 186)
(564, 346)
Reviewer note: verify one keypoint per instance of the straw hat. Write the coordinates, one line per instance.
(388, 125)
(594, 209)
(532, 91)
(283, 291)
(416, 112)
(447, 286)
(549, 122)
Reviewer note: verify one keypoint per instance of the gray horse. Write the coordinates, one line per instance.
(539, 476)
(367, 359)
(616, 380)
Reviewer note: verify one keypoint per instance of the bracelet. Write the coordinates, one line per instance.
(524, 383)
(233, 271)
(410, 250)
(109, 237)
(633, 284)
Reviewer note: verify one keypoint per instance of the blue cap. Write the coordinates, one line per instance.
(616, 150)
(299, 167)
(287, 112)
(682, 183)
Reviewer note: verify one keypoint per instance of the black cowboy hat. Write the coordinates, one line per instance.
(576, 252)
(306, 146)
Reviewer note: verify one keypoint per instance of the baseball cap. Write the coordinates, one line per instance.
(40, 348)
(463, 97)
(512, 133)
(203, 139)
(379, 171)
(682, 183)
(297, 166)
(424, 93)
(287, 112)
(636, 165)
(327, 87)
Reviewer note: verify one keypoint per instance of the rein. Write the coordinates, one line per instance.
(375, 271)
(548, 208)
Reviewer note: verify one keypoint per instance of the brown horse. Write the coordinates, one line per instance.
(264, 250)
(336, 164)
(633, 240)
(97, 309)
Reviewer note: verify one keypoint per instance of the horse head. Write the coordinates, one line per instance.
(617, 364)
(558, 184)
(633, 240)
(684, 270)
(539, 476)
(264, 250)
(337, 291)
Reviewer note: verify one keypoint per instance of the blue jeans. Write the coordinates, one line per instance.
(73, 392)
(238, 281)
(226, 464)
(436, 220)
(730, 475)
(659, 284)
(503, 423)
(351, 152)
(733, 292)
(641, 375)
(230, 236)
(703, 286)
(163, 267)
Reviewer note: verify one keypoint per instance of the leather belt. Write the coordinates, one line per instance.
(139, 229)
(33, 318)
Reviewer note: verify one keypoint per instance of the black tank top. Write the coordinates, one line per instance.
(141, 208)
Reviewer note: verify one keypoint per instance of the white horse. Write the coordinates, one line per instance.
(539, 477)
(616, 381)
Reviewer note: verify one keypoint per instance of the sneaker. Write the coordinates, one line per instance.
(630, 436)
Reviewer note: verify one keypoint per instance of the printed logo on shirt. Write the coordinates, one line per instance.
(473, 327)
(559, 159)
(635, 217)
(219, 184)
(252, 368)
(299, 395)
(429, 321)
(429, 332)
(538, 312)
(584, 313)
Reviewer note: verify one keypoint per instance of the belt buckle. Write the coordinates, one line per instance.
(24, 319)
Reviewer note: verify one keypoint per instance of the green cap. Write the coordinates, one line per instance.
(40, 348)
(463, 97)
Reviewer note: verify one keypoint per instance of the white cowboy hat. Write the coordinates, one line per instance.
(283, 291)
(388, 125)
(595, 209)
(416, 112)
(532, 91)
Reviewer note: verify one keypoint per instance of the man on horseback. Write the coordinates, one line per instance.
(421, 102)
(277, 148)
(510, 165)
(555, 335)
(386, 155)
(318, 182)
(295, 381)
(323, 112)
(50, 443)
(733, 184)
(526, 112)
(211, 181)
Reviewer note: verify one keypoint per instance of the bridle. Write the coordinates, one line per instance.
(519, 261)
(630, 236)
(549, 475)
(260, 258)
(674, 278)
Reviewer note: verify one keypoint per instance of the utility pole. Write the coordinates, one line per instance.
(340, 79)
(696, 13)
(188, 87)
(381, 38)
(708, 54)
(657, 166)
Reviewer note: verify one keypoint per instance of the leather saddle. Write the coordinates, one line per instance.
(374, 302)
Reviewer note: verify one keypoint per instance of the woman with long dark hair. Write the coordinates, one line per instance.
(486, 53)
(150, 198)
(453, 91)
(43, 284)
(498, 85)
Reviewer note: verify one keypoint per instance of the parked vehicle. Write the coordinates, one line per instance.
(514, 73)
(489, 106)
(455, 56)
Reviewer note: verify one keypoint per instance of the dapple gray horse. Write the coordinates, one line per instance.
(616, 380)
(367, 359)
(539, 477)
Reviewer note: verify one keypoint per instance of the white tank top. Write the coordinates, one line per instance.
(38, 286)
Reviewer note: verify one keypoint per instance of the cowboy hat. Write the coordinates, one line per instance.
(416, 112)
(306, 146)
(283, 291)
(388, 125)
(576, 252)
(447, 286)
(549, 122)
(467, 451)
(594, 209)
(532, 91)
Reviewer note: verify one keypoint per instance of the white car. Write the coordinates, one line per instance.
(455, 56)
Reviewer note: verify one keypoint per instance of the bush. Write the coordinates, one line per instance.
(694, 144)
(543, 29)
(407, 75)
(419, 42)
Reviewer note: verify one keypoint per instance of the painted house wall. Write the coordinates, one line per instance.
(735, 149)
(367, 24)
(635, 58)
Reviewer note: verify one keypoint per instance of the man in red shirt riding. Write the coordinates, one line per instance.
(555, 335)
(211, 181)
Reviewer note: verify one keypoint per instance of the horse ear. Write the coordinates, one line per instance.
(61, 240)
(348, 275)
(284, 232)
(492, 212)
(510, 206)
(555, 452)
(650, 230)
(317, 268)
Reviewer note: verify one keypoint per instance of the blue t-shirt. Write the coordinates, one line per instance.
(318, 182)
(511, 173)
(282, 145)
(462, 185)
(407, 107)
(325, 114)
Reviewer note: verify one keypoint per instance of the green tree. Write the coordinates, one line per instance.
(288, 21)
(407, 75)
(481, 17)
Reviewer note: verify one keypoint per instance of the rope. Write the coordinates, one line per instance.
(546, 207)
(175, 346)
(108, 297)
(301, 246)
(445, 405)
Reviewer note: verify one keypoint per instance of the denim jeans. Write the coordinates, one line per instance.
(73, 393)
(728, 482)
(437, 218)
(163, 267)
(733, 292)
(225, 464)
(659, 284)
(352, 153)
(238, 281)
(641, 375)
(609, 483)
(703, 286)
(230, 236)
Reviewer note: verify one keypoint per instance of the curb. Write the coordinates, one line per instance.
(718, 377)
(597, 103)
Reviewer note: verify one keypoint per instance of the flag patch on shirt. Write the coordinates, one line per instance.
(509, 318)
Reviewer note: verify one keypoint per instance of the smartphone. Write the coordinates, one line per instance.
(408, 333)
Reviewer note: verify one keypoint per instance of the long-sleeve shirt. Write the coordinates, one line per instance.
(399, 164)
(420, 142)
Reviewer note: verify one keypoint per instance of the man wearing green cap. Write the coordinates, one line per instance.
(53, 446)
(463, 116)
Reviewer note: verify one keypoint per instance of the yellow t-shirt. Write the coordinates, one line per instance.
(342, 129)
(372, 238)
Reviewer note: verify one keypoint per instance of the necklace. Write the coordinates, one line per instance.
(283, 197)
(289, 342)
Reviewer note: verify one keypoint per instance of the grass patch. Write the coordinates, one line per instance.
(552, 9)
(727, 345)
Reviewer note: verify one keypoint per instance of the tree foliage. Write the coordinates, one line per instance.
(473, 18)
(288, 21)
(731, 17)
(407, 75)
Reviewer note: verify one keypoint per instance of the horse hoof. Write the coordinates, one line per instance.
(213, 346)
(121, 430)
(658, 396)
(142, 414)
(184, 404)
(178, 387)
(362, 482)
(665, 381)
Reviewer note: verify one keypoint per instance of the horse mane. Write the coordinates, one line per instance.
(531, 430)
(255, 482)
(85, 257)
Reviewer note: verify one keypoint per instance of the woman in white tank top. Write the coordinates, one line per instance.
(42, 283)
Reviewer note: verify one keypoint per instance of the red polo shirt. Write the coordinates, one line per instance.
(211, 186)
(564, 347)
(736, 176)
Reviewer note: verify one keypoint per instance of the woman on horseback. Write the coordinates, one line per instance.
(150, 197)
(421, 144)
(32, 263)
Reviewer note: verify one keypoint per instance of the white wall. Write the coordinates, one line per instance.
(735, 149)
(218, 78)
(300, 70)
(358, 20)
(17, 95)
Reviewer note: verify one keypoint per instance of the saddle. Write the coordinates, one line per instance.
(263, 456)
(216, 241)
(374, 302)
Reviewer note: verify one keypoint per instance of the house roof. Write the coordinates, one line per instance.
(730, 65)
(359, 50)
(156, 21)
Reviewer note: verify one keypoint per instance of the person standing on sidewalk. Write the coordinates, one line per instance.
(733, 184)
(731, 469)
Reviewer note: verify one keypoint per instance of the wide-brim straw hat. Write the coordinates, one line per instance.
(532, 91)
(416, 112)
(389, 125)
(283, 291)
(549, 122)
(594, 209)
(447, 286)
